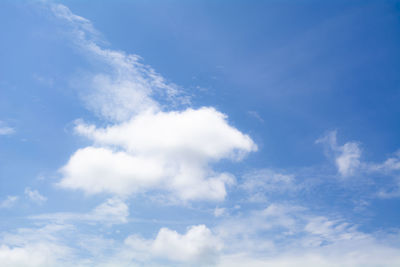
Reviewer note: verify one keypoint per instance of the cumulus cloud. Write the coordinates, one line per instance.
(146, 147)
(278, 235)
(170, 150)
(347, 156)
(35, 196)
(35, 247)
(197, 246)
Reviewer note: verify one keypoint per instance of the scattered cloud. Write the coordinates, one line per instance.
(112, 211)
(278, 235)
(255, 115)
(126, 87)
(197, 246)
(146, 147)
(348, 163)
(218, 212)
(9, 202)
(260, 183)
(392, 164)
(35, 247)
(6, 130)
(347, 157)
(35, 196)
(290, 235)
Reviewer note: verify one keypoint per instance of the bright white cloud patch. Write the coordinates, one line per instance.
(163, 150)
(197, 246)
(347, 157)
(35, 247)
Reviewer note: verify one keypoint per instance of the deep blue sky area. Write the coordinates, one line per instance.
(307, 155)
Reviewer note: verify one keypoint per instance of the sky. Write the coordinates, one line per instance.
(200, 133)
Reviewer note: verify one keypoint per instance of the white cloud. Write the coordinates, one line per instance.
(348, 161)
(197, 246)
(147, 148)
(163, 150)
(6, 130)
(35, 196)
(8, 202)
(35, 247)
(218, 212)
(112, 211)
(260, 183)
(345, 254)
(255, 115)
(347, 157)
(279, 235)
(287, 235)
(126, 87)
(390, 165)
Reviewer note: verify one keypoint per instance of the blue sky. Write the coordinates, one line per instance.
(199, 133)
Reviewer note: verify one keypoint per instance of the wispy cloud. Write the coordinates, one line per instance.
(347, 156)
(9, 202)
(6, 130)
(112, 211)
(127, 87)
(35, 196)
(147, 147)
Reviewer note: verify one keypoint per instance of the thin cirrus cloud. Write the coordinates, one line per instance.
(146, 148)
(112, 211)
(125, 87)
(309, 240)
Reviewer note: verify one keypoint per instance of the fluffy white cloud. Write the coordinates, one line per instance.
(347, 157)
(35, 196)
(162, 150)
(279, 235)
(197, 246)
(146, 148)
(35, 247)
